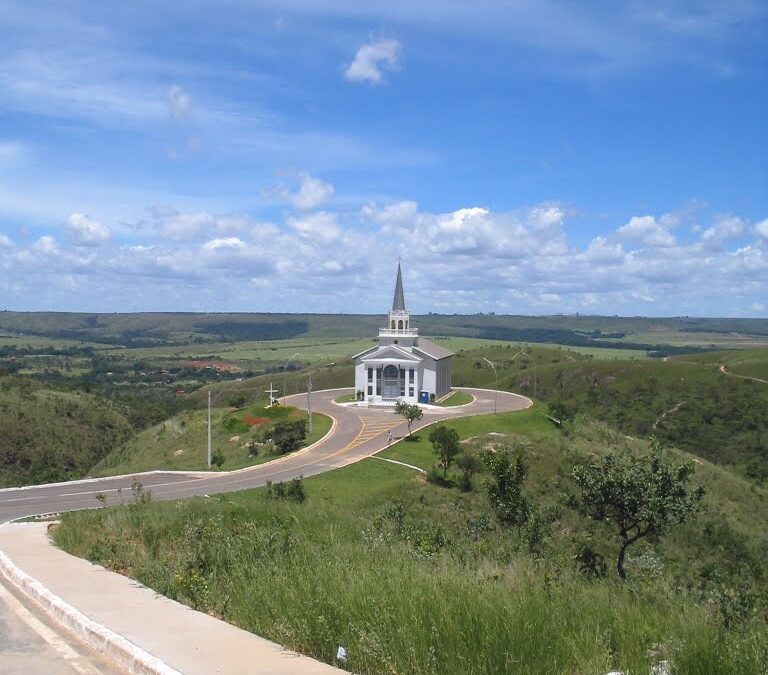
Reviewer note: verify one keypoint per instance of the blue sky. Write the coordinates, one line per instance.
(531, 156)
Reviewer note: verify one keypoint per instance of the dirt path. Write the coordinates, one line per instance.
(725, 371)
(668, 412)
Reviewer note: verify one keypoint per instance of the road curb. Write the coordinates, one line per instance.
(105, 641)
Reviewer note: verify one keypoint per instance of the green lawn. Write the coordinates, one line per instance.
(180, 443)
(456, 398)
(414, 578)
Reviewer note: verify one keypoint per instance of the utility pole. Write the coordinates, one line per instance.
(209, 428)
(309, 402)
(496, 392)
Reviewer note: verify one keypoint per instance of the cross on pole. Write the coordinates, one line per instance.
(271, 391)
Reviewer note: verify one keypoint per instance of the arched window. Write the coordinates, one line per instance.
(400, 325)
(393, 324)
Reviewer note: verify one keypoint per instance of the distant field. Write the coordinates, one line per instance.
(675, 338)
(747, 363)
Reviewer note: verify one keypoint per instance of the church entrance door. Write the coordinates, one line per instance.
(391, 388)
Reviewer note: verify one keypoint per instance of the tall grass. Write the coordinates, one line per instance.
(404, 594)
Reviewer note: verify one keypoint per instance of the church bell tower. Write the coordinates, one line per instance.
(398, 329)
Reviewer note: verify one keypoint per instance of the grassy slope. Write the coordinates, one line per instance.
(180, 443)
(746, 362)
(413, 578)
(48, 435)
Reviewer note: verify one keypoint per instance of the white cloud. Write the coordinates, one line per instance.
(86, 231)
(321, 226)
(725, 227)
(311, 193)
(187, 226)
(600, 251)
(761, 228)
(227, 242)
(5, 242)
(45, 245)
(647, 231)
(371, 58)
(178, 101)
(399, 214)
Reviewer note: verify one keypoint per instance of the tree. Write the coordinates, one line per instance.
(288, 435)
(561, 413)
(641, 496)
(505, 489)
(469, 465)
(410, 411)
(445, 442)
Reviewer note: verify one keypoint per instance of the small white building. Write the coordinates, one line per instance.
(403, 366)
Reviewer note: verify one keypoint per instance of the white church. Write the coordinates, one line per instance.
(403, 366)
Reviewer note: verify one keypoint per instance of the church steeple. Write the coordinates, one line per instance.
(398, 329)
(398, 303)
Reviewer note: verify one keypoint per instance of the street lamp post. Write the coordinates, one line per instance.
(285, 370)
(496, 392)
(309, 394)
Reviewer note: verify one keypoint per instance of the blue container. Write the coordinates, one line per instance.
(423, 396)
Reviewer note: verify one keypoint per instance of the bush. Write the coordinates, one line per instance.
(217, 459)
(292, 492)
(288, 435)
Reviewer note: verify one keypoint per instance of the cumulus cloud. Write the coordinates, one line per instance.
(724, 228)
(464, 260)
(321, 226)
(371, 59)
(178, 101)
(310, 194)
(647, 231)
(761, 228)
(225, 243)
(187, 225)
(86, 231)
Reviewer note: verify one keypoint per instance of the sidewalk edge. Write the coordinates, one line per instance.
(102, 639)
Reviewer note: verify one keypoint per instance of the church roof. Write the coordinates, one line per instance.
(398, 303)
(432, 349)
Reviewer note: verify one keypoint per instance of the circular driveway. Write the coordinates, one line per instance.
(357, 433)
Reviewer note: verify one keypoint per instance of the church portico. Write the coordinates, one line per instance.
(403, 366)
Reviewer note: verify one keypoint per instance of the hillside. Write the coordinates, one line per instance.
(415, 578)
(48, 435)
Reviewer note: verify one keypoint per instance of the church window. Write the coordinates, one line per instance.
(370, 390)
(402, 381)
(393, 324)
(370, 374)
(378, 381)
(410, 391)
(400, 325)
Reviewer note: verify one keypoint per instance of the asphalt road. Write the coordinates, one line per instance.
(358, 432)
(29, 643)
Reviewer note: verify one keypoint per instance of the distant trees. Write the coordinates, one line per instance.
(445, 443)
(410, 411)
(641, 496)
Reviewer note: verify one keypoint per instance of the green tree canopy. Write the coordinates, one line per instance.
(445, 443)
(641, 496)
(410, 411)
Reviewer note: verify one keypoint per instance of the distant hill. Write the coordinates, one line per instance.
(154, 329)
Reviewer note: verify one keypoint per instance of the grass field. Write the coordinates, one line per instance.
(456, 398)
(180, 443)
(414, 578)
(747, 363)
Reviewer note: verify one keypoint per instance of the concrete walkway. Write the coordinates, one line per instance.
(147, 633)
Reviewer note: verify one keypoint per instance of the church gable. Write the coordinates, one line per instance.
(390, 352)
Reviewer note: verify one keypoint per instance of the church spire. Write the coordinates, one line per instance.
(398, 303)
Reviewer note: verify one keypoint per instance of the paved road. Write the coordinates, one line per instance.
(358, 433)
(31, 643)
